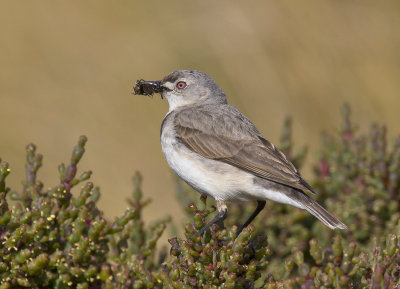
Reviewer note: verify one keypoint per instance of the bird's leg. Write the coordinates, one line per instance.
(260, 206)
(222, 212)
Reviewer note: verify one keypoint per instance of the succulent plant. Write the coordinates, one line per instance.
(54, 239)
(59, 238)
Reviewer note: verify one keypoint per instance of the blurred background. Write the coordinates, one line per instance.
(68, 68)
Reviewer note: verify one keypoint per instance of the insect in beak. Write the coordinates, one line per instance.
(148, 87)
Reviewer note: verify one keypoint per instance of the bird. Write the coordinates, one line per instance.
(220, 153)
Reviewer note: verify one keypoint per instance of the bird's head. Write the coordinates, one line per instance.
(182, 88)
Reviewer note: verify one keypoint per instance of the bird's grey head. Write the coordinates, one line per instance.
(184, 87)
(189, 87)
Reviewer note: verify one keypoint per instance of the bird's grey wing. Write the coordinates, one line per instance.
(233, 139)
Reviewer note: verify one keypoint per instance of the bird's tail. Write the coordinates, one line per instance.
(318, 211)
(324, 216)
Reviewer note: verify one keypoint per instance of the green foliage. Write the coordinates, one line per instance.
(52, 239)
(216, 260)
(58, 237)
(359, 178)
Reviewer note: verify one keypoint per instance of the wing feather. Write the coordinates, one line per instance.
(230, 137)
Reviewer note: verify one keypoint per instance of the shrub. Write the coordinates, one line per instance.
(59, 238)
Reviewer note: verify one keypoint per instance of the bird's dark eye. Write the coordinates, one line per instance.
(181, 85)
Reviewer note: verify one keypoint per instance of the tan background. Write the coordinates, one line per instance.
(67, 68)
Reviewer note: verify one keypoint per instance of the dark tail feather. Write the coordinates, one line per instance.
(318, 211)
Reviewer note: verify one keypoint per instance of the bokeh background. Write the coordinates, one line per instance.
(67, 68)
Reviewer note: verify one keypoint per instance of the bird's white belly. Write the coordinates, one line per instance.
(214, 178)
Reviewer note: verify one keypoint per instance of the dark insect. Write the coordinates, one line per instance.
(147, 87)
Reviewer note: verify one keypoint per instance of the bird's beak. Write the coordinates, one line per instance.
(149, 87)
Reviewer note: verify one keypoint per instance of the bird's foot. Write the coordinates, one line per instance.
(219, 218)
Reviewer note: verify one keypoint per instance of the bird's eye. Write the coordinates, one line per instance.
(181, 85)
